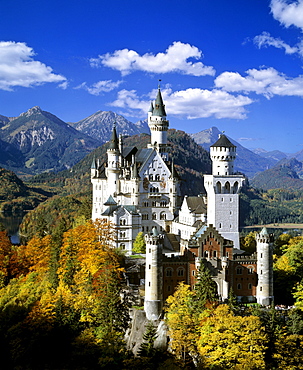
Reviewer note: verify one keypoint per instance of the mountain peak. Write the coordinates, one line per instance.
(31, 111)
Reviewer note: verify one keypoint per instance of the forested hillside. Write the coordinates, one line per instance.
(15, 196)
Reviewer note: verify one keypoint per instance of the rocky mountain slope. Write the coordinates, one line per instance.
(287, 174)
(247, 162)
(43, 142)
(100, 125)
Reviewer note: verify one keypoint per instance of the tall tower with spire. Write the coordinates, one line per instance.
(158, 125)
(113, 166)
(222, 189)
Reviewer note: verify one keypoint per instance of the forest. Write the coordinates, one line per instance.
(63, 304)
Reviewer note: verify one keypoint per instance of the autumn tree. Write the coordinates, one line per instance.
(227, 341)
(139, 245)
(181, 320)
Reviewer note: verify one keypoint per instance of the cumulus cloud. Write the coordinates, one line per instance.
(267, 81)
(175, 59)
(265, 40)
(99, 87)
(288, 13)
(190, 103)
(18, 68)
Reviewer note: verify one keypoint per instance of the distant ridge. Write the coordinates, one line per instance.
(100, 124)
(247, 162)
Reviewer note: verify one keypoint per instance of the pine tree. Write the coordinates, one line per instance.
(205, 289)
(147, 346)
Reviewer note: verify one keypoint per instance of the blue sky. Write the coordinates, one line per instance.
(236, 65)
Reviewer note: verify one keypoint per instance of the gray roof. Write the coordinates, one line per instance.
(159, 109)
(223, 141)
(113, 144)
(110, 201)
(111, 209)
(196, 204)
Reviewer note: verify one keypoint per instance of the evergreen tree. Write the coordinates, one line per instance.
(232, 300)
(206, 293)
(147, 346)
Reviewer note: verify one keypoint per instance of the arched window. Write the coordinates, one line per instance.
(154, 216)
(157, 177)
(236, 187)
(122, 246)
(150, 177)
(168, 272)
(227, 187)
(239, 286)
(239, 270)
(162, 216)
(218, 187)
(180, 271)
(123, 221)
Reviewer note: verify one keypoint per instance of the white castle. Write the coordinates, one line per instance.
(139, 190)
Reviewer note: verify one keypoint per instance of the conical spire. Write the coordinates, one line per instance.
(114, 143)
(151, 107)
(159, 109)
(94, 164)
(134, 174)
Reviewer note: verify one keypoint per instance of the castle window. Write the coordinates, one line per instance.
(215, 254)
(157, 177)
(239, 286)
(154, 204)
(145, 204)
(122, 221)
(142, 228)
(162, 216)
(261, 272)
(239, 270)
(180, 271)
(249, 286)
(145, 217)
(122, 246)
(260, 289)
(99, 187)
(194, 272)
(205, 253)
(250, 270)
(149, 266)
(169, 272)
(154, 216)
(150, 177)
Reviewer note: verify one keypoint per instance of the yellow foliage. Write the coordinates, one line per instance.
(289, 352)
(37, 252)
(181, 320)
(231, 342)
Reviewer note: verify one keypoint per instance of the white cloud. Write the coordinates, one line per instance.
(267, 82)
(190, 103)
(175, 59)
(288, 13)
(18, 68)
(265, 40)
(99, 87)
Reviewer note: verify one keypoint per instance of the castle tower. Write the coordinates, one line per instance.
(153, 275)
(113, 166)
(222, 189)
(264, 268)
(158, 125)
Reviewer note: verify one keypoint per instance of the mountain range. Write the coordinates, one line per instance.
(38, 141)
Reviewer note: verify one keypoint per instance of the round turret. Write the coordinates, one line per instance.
(223, 154)
(153, 275)
(264, 268)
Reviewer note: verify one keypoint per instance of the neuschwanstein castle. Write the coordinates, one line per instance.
(139, 190)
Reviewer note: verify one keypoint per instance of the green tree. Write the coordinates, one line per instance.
(139, 245)
(147, 346)
(205, 293)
